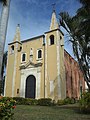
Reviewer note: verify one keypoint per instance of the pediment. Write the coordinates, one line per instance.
(30, 64)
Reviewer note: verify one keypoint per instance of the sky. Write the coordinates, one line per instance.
(34, 17)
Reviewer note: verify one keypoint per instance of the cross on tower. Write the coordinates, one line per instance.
(53, 5)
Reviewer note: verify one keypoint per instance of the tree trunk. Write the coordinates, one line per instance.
(3, 30)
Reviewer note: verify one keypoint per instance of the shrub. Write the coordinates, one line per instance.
(19, 100)
(45, 102)
(85, 102)
(25, 101)
(69, 100)
(66, 101)
(6, 106)
(60, 102)
(30, 101)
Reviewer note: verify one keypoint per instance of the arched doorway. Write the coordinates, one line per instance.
(30, 87)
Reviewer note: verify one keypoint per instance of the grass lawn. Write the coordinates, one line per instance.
(26, 112)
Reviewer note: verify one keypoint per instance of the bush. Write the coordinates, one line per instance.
(25, 101)
(85, 102)
(6, 106)
(30, 101)
(66, 101)
(69, 100)
(60, 102)
(19, 100)
(45, 102)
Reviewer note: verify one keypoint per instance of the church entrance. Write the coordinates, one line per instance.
(30, 87)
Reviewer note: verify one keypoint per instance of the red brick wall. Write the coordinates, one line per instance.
(74, 77)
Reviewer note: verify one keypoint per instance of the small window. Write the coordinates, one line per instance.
(17, 91)
(52, 40)
(20, 48)
(23, 57)
(39, 53)
(60, 37)
(12, 49)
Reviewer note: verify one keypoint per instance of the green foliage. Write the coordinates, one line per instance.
(25, 101)
(60, 102)
(66, 101)
(30, 101)
(69, 100)
(6, 107)
(45, 102)
(85, 102)
(19, 100)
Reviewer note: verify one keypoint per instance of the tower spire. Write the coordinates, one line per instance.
(17, 34)
(54, 24)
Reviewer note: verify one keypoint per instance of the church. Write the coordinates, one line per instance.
(40, 67)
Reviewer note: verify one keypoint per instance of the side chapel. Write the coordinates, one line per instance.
(40, 67)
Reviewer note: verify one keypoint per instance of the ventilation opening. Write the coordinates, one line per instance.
(52, 40)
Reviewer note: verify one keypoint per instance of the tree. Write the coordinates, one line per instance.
(4, 2)
(78, 28)
(4, 63)
(3, 28)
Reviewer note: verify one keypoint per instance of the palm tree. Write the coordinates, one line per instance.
(3, 28)
(4, 2)
(78, 28)
(4, 63)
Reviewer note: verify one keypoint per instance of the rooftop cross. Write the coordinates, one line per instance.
(53, 5)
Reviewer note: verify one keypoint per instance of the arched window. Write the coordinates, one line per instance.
(23, 57)
(60, 37)
(12, 49)
(39, 54)
(52, 40)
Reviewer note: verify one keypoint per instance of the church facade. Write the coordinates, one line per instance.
(39, 67)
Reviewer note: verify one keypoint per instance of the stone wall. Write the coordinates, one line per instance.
(75, 83)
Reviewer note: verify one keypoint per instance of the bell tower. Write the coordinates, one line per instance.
(13, 73)
(55, 84)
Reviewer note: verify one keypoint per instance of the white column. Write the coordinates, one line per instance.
(46, 67)
(58, 65)
(14, 72)
(38, 83)
(23, 84)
